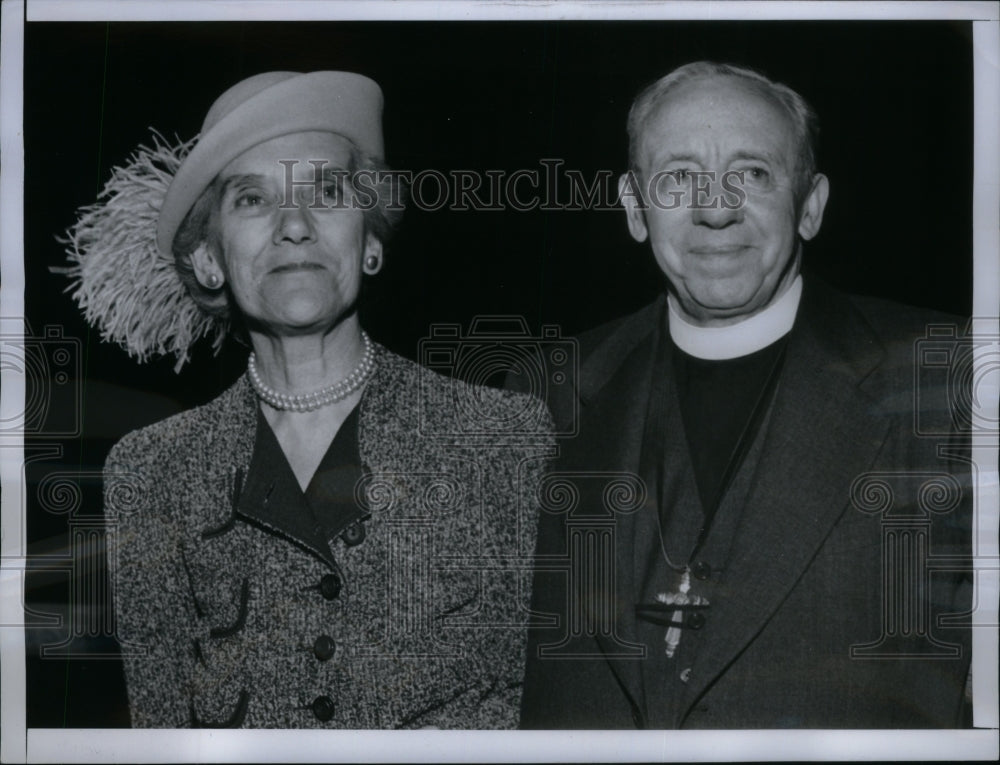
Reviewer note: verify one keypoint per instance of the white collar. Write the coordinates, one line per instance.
(735, 340)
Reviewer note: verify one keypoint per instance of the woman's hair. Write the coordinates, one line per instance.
(383, 188)
(200, 226)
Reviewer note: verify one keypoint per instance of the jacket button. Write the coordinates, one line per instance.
(324, 647)
(701, 570)
(329, 586)
(685, 674)
(696, 620)
(322, 708)
(353, 534)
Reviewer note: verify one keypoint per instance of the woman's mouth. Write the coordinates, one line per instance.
(300, 266)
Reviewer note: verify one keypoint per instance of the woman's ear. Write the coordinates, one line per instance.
(206, 268)
(371, 262)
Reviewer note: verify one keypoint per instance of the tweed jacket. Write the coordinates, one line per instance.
(224, 620)
(836, 596)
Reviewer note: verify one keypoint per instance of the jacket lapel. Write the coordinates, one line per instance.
(824, 397)
(272, 499)
(614, 393)
(230, 423)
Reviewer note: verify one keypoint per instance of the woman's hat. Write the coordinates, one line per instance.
(264, 107)
(120, 249)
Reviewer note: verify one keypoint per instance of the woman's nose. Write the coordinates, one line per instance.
(294, 224)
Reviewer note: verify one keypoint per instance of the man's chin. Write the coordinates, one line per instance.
(714, 306)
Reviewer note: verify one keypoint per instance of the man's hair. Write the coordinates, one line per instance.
(200, 225)
(805, 123)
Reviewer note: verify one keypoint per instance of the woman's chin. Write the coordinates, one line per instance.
(300, 314)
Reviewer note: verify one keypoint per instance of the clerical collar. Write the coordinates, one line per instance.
(735, 340)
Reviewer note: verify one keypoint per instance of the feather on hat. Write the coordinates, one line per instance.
(120, 249)
(124, 284)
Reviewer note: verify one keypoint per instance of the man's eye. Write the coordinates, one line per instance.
(757, 176)
(752, 177)
(678, 178)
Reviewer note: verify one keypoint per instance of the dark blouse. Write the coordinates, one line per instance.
(327, 508)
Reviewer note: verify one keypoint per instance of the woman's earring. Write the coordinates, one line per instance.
(373, 263)
(213, 281)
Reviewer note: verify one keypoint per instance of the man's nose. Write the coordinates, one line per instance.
(716, 209)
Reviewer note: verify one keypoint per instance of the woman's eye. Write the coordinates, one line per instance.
(333, 190)
(249, 199)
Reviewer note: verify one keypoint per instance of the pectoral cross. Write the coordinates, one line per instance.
(681, 599)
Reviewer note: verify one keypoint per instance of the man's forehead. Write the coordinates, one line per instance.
(719, 91)
(712, 108)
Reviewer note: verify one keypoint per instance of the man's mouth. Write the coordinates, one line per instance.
(718, 249)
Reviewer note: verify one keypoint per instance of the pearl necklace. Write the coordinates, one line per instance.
(307, 402)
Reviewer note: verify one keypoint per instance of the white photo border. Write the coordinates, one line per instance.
(21, 744)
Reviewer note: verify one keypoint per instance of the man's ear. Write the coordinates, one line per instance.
(811, 217)
(206, 268)
(631, 199)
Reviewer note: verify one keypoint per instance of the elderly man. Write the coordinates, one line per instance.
(748, 536)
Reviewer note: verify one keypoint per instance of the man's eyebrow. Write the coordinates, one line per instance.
(760, 155)
(743, 154)
(676, 157)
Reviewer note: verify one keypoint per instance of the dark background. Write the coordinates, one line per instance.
(894, 98)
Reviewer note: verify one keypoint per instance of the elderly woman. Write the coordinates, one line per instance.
(342, 538)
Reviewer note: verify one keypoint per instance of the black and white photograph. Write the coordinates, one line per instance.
(524, 382)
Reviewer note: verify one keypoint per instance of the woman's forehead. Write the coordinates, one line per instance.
(300, 153)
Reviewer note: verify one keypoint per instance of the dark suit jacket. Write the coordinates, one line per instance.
(809, 624)
(220, 599)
